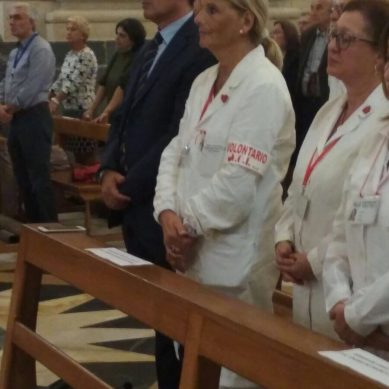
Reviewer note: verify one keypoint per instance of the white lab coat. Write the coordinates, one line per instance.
(357, 261)
(311, 234)
(222, 175)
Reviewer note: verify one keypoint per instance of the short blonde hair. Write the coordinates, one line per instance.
(81, 23)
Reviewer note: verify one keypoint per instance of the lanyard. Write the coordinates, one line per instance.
(314, 162)
(209, 100)
(22, 50)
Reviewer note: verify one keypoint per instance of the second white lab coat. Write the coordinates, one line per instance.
(357, 261)
(311, 234)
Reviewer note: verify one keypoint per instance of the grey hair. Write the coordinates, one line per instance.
(30, 11)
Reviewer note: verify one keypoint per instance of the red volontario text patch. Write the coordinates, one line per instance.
(246, 156)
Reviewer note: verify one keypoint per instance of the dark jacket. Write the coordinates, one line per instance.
(148, 124)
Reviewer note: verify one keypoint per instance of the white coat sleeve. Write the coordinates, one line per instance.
(284, 228)
(165, 191)
(368, 308)
(336, 269)
(263, 121)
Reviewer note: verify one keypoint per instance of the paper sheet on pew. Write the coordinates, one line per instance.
(118, 257)
(362, 362)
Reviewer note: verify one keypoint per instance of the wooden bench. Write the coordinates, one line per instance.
(216, 330)
(65, 127)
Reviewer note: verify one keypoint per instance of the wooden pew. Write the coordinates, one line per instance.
(65, 127)
(216, 330)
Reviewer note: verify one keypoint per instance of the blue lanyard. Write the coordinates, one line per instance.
(21, 50)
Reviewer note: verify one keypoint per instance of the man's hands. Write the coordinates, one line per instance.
(5, 114)
(113, 199)
(342, 328)
(177, 241)
(293, 266)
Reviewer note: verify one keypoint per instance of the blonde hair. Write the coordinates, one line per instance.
(82, 24)
(258, 34)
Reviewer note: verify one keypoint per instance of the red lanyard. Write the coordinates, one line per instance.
(314, 162)
(209, 100)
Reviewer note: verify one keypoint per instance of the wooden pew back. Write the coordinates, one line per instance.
(216, 330)
(63, 128)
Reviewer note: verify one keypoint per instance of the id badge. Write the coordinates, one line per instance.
(365, 210)
(302, 206)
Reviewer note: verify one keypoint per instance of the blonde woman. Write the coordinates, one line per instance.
(74, 88)
(219, 189)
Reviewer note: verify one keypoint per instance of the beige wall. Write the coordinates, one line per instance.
(104, 14)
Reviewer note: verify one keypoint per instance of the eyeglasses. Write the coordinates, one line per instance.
(344, 40)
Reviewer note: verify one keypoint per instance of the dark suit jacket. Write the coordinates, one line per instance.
(148, 124)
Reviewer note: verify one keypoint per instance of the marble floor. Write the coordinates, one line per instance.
(113, 346)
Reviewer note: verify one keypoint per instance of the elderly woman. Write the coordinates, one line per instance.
(75, 87)
(332, 143)
(356, 268)
(218, 190)
(130, 37)
(74, 90)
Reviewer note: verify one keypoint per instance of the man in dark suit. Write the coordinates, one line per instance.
(312, 80)
(153, 105)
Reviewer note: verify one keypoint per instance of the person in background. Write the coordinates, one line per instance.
(74, 90)
(218, 191)
(336, 86)
(334, 139)
(356, 267)
(24, 107)
(130, 37)
(304, 22)
(312, 81)
(286, 35)
(154, 102)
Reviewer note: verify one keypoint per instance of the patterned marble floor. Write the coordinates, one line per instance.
(113, 346)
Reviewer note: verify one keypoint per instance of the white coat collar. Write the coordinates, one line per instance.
(240, 72)
(374, 104)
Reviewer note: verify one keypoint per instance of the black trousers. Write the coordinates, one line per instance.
(29, 145)
(167, 365)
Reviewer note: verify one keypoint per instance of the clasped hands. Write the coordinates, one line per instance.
(341, 327)
(178, 242)
(293, 266)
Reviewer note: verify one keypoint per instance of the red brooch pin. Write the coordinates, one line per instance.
(366, 109)
(224, 98)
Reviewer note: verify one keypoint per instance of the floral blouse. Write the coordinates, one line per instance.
(77, 79)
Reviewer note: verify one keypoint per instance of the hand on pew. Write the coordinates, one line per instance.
(110, 192)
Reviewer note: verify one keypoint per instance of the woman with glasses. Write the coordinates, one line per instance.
(356, 270)
(332, 143)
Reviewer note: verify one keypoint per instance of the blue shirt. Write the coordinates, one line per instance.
(168, 34)
(28, 80)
